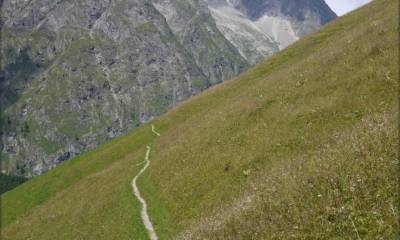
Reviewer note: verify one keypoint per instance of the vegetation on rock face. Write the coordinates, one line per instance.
(80, 72)
(303, 146)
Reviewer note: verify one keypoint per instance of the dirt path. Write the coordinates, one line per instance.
(145, 215)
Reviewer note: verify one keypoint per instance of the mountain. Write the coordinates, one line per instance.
(262, 27)
(302, 146)
(196, 30)
(76, 74)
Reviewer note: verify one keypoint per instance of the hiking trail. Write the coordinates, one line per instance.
(145, 215)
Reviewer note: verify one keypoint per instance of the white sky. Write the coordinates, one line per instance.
(343, 6)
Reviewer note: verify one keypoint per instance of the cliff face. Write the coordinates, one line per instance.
(77, 73)
(194, 27)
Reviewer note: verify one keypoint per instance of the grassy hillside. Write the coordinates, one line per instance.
(303, 146)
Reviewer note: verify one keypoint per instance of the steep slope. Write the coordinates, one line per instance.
(303, 146)
(77, 73)
(259, 28)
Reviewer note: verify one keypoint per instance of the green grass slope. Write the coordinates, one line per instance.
(303, 146)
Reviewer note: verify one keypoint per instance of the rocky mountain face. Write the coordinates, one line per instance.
(259, 28)
(195, 29)
(77, 73)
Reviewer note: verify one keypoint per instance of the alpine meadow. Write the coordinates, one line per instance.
(303, 145)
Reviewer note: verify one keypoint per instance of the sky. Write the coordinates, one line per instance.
(344, 6)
